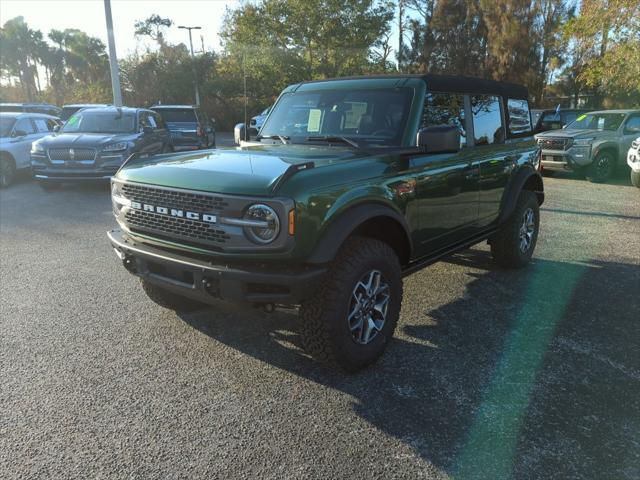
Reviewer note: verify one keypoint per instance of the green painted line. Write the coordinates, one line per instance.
(491, 444)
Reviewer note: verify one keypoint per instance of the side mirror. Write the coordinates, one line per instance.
(439, 139)
(147, 130)
(18, 133)
(632, 130)
(56, 128)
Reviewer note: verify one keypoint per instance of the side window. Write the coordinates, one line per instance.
(158, 119)
(487, 120)
(41, 125)
(445, 109)
(24, 125)
(143, 120)
(633, 125)
(519, 118)
(151, 120)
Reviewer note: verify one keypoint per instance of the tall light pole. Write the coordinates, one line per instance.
(113, 59)
(193, 61)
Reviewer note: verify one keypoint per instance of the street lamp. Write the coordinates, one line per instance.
(193, 62)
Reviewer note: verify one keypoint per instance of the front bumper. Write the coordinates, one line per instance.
(566, 160)
(206, 282)
(103, 168)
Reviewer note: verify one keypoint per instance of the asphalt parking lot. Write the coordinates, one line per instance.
(529, 374)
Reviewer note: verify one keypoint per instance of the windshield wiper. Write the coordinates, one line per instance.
(283, 138)
(334, 138)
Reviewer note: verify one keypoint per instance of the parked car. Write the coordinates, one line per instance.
(556, 119)
(594, 144)
(95, 142)
(68, 110)
(17, 131)
(190, 127)
(256, 122)
(351, 185)
(633, 160)
(45, 108)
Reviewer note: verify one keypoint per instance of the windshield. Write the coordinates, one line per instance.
(6, 124)
(598, 121)
(374, 116)
(178, 116)
(100, 122)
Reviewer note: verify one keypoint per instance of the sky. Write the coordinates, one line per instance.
(88, 15)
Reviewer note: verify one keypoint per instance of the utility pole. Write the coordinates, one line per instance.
(113, 59)
(400, 32)
(193, 61)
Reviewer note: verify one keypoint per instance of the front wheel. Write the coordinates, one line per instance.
(513, 245)
(635, 178)
(7, 172)
(352, 317)
(601, 168)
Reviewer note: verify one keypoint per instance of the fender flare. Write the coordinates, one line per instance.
(608, 145)
(515, 186)
(348, 222)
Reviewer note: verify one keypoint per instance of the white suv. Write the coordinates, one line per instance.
(633, 160)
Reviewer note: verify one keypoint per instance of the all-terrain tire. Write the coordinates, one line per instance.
(7, 171)
(326, 332)
(507, 246)
(169, 300)
(635, 179)
(602, 167)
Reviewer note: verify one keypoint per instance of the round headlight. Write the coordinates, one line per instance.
(263, 224)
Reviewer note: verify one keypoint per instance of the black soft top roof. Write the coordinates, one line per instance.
(459, 84)
(451, 83)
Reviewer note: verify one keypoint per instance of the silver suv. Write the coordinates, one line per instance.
(595, 143)
(17, 131)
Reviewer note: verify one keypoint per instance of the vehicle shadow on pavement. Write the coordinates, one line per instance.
(532, 373)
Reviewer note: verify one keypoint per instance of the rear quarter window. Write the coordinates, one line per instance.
(518, 118)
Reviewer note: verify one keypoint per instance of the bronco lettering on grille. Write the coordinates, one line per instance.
(173, 212)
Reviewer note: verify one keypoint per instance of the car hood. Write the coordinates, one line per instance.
(79, 140)
(571, 133)
(247, 171)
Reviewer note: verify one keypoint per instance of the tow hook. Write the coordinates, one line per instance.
(129, 263)
(266, 307)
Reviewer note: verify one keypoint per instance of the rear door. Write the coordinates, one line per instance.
(446, 184)
(24, 133)
(501, 137)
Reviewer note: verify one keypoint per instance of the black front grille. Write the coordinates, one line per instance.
(159, 197)
(72, 154)
(192, 230)
(554, 143)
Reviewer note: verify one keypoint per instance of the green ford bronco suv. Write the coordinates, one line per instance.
(351, 185)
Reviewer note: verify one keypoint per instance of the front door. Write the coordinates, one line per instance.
(447, 199)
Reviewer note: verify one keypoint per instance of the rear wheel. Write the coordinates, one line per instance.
(352, 317)
(7, 171)
(167, 299)
(601, 168)
(635, 178)
(513, 245)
